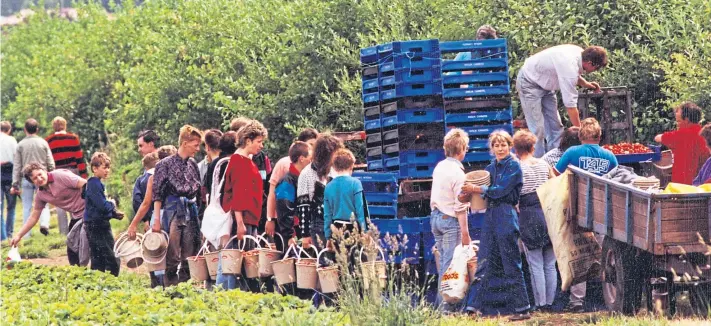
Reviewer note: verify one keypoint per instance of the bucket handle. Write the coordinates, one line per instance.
(244, 242)
(123, 239)
(288, 250)
(302, 251)
(202, 250)
(265, 239)
(318, 257)
(360, 255)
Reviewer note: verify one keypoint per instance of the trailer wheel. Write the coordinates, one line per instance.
(621, 282)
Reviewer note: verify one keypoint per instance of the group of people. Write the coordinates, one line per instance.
(306, 194)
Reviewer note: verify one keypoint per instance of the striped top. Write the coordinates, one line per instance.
(534, 175)
(67, 153)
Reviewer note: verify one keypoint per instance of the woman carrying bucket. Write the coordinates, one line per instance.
(500, 232)
(176, 185)
(243, 195)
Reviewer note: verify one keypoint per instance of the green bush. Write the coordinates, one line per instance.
(40, 295)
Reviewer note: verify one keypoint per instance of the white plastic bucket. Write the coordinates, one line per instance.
(268, 255)
(212, 258)
(232, 258)
(373, 270)
(285, 269)
(328, 277)
(478, 178)
(198, 266)
(306, 275)
(250, 259)
(154, 260)
(129, 250)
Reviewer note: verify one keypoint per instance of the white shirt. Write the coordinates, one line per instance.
(8, 147)
(555, 68)
(447, 181)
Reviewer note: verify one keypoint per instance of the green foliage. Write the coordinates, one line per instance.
(34, 295)
(295, 64)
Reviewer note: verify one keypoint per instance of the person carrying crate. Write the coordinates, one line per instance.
(556, 68)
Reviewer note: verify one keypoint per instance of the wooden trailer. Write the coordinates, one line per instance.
(657, 243)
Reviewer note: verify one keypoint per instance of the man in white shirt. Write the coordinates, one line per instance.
(556, 68)
(8, 146)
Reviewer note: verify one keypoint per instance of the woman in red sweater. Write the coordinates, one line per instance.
(243, 186)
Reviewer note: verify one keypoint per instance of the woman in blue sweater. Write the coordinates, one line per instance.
(99, 210)
(500, 232)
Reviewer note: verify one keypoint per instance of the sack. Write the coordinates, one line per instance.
(578, 253)
(455, 280)
(216, 223)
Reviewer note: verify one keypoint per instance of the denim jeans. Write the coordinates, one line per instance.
(7, 211)
(540, 107)
(447, 237)
(28, 194)
(544, 276)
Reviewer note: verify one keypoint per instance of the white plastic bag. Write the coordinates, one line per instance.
(455, 280)
(13, 256)
(216, 223)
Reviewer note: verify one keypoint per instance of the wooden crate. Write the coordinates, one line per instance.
(652, 222)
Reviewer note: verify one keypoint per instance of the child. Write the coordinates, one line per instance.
(285, 192)
(500, 232)
(689, 148)
(343, 196)
(97, 214)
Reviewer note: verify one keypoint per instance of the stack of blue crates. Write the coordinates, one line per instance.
(381, 190)
(403, 112)
(476, 92)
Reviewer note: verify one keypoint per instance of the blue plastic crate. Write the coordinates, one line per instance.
(478, 78)
(370, 86)
(655, 155)
(371, 98)
(409, 170)
(416, 46)
(419, 102)
(425, 157)
(375, 165)
(429, 60)
(375, 138)
(372, 125)
(478, 104)
(475, 91)
(378, 184)
(399, 226)
(478, 116)
(381, 197)
(369, 54)
(413, 116)
(385, 49)
(383, 211)
(412, 89)
(370, 72)
(478, 143)
(477, 156)
(486, 130)
(406, 75)
(479, 65)
(484, 47)
(374, 153)
(371, 112)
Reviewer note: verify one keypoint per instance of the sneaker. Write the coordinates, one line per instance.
(44, 230)
(473, 312)
(578, 308)
(520, 316)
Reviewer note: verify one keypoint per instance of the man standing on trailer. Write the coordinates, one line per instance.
(556, 68)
